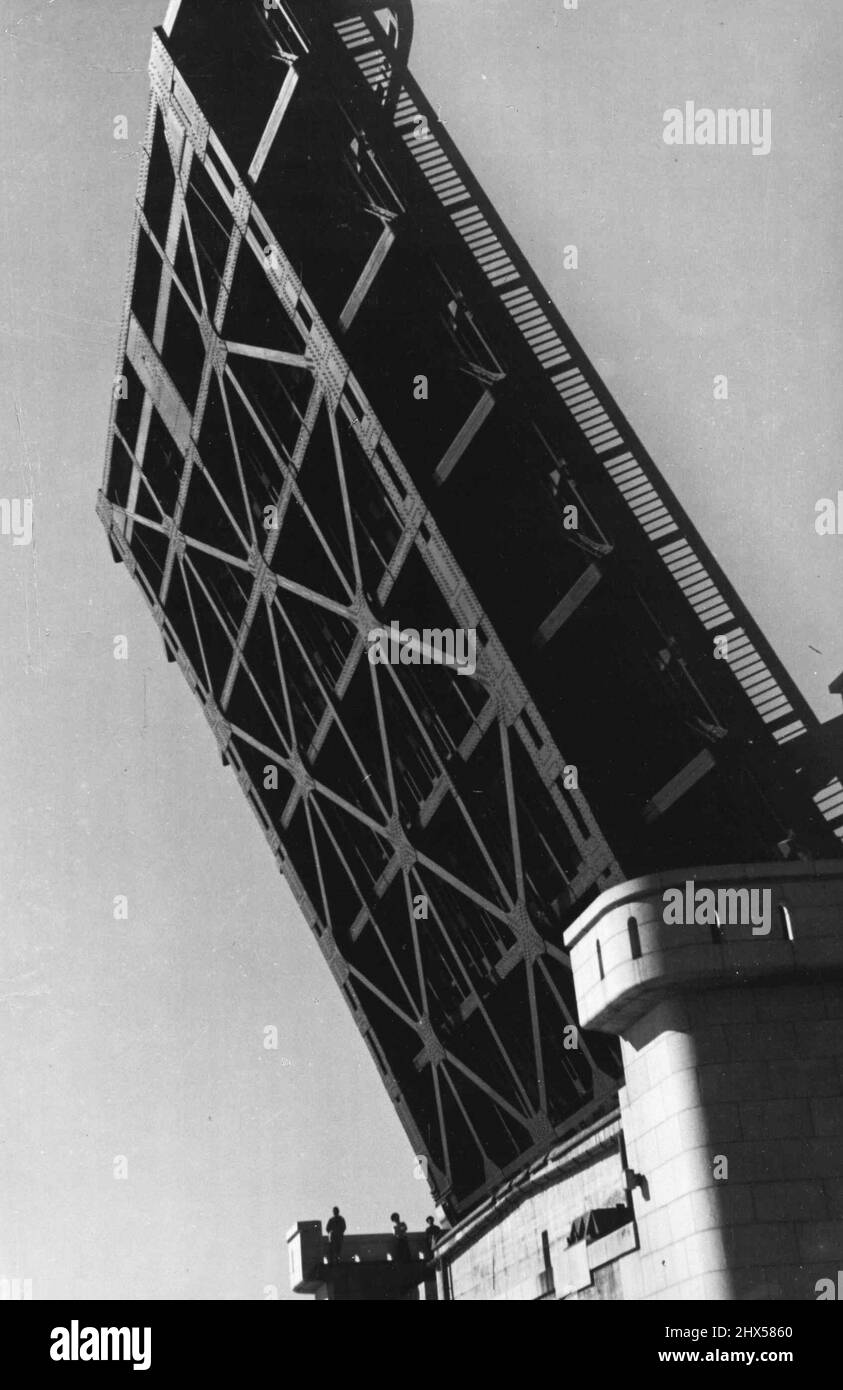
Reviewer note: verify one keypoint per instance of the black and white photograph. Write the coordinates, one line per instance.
(421, 532)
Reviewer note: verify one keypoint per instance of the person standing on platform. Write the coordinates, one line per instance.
(336, 1235)
(432, 1232)
(401, 1252)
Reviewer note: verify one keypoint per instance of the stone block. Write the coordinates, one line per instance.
(648, 1112)
(821, 954)
(790, 1201)
(654, 1228)
(776, 1119)
(808, 1076)
(819, 1038)
(690, 1171)
(711, 1127)
(761, 1243)
(705, 1253)
(788, 1002)
(755, 1284)
(642, 1150)
(636, 1072)
(661, 1060)
(723, 1204)
(677, 1267)
(821, 1157)
(729, 1006)
(827, 1115)
(678, 1093)
(761, 1041)
(833, 1188)
(681, 1213)
(667, 1139)
(736, 1082)
(653, 1275)
(822, 1240)
(694, 1128)
(701, 1288)
(765, 1161)
(712, 1044)
(833, 999)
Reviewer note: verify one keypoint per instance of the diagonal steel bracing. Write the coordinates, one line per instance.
(425, 821)
(325, 818)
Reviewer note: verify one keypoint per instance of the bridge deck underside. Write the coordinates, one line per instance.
(279, 484)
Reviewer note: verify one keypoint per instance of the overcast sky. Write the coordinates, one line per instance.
(143, 1039)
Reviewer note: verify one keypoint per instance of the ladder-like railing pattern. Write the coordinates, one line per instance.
(585, 399)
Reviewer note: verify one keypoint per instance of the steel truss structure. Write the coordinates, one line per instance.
(308, 245)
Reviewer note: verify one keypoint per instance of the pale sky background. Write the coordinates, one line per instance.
(144, 1038)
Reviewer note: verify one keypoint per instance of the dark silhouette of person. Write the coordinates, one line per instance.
(336, 1233)
(432, 1232)
(401, 1248)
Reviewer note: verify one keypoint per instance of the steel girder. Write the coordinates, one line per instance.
(427, 893)
(387, 793)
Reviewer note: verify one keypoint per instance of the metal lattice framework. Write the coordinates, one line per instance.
(363, 756)
(424, 821)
